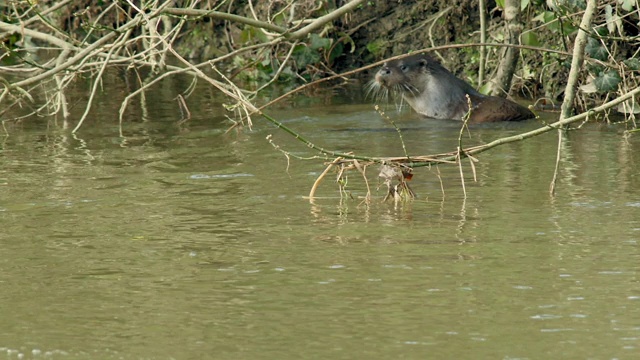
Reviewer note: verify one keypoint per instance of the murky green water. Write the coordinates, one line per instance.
(186, 242)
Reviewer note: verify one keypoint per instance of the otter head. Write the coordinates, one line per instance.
(425, 85)
(414, 78)
(407, 76)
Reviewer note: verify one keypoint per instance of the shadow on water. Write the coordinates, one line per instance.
(185, 240)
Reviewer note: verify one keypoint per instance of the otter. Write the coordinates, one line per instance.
(433, 91)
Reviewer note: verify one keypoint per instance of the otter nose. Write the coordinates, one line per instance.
(384, 71)
(383, 75)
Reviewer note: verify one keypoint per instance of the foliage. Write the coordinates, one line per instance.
(613, 38)
(265, 52)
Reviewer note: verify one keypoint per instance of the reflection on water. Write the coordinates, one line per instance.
(185, 241)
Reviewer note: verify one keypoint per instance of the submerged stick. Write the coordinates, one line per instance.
(316, 183)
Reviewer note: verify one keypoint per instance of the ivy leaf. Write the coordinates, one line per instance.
(596, 50)
(305, 56)
(545, 17)
(318, 42)
(607, 81)
(630, 106)
(633, 63)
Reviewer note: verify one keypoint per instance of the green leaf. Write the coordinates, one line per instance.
(318, 42)
(376, 47)
(607, 81)
(523, 5)
(250, 33)
(335, 52)
(633, 63)
(485, 89)
(305, 56)
(530, 38)
(553, 23)
(601, 31)
(545, 17)
(596, 50)
(500, 3)
(568, 28)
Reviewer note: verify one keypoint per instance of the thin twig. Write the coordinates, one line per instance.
(574, 73)
(80, 56)
(280, 69)
(441, 182)
(363, 171)
(99, 79)
(482, 11)
(384, 116)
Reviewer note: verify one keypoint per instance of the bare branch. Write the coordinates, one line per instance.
(10, 28)
(226, 16)
(317, 23)
(299, 34)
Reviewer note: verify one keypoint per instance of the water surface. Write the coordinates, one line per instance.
(186, 241)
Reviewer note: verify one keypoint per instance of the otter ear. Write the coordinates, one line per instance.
(423, 62)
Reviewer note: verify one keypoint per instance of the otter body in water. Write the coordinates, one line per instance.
(433, 91)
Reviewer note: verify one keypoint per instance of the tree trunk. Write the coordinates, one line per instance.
(501, 83)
